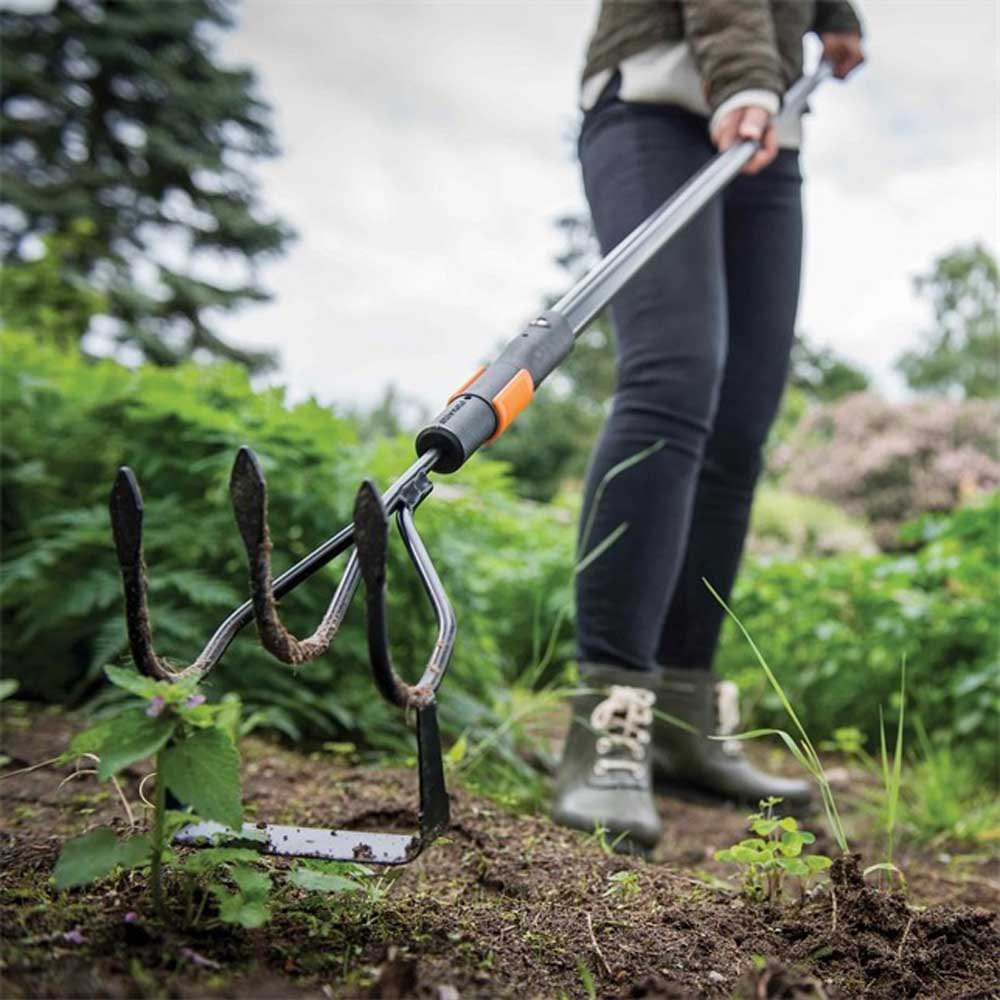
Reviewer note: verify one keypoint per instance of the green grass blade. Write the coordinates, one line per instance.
(806, 754)
(612, 473)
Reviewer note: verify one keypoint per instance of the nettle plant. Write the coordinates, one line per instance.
(194, 746)
(774, 856)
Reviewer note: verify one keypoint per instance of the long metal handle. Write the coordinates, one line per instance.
(605, 279)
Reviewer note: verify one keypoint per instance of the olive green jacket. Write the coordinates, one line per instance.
(736, 44)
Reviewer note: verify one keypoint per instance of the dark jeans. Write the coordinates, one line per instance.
(703, 336)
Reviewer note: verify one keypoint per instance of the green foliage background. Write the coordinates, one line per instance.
(69, 423)
(834, 627)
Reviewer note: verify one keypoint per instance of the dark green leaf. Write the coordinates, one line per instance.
(128, 737)
(203, 771)
(313, 881)
(96, 854)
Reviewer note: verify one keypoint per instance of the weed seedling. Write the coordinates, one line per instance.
(623, 886)
(196, 758)
(774, 855)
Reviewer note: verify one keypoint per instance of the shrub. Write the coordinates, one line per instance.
(67, 425)
(890, 462)
(787, 526)
(835, 631)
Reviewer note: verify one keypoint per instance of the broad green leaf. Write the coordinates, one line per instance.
(129, 737)
(817, 862)
(90, 740)
(788, 823)
(313, 881)
(134, 852)
(794, 866)
(130, 680)
(764, 826)
(234, 908)
(253, 884)
(211, 857)
(96, 854)
(230, 708)
(203, 771)
(7, 688)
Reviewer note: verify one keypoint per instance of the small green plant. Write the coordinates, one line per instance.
(774, 855)
(608, 846)
(623, 886)
(586, 979)
(196, 759)
(802, 750)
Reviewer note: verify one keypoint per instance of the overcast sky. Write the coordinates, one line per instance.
(425, 155)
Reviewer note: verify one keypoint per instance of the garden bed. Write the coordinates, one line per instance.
(506, 905)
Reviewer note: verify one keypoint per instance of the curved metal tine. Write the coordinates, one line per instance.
(126, 524)
(248, 491)
(371, 534)
(443, 611)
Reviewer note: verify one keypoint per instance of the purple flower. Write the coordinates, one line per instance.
(155, 706)
(131, 917)
(74, 936)
(194, 700)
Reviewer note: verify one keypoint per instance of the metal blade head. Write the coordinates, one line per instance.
(309, 842)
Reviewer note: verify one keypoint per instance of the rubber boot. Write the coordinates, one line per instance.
(717, 767)
(604, 778)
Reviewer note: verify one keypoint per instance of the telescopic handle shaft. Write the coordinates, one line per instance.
(607, 277)
(486, 404)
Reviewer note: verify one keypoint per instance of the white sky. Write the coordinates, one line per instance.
(426, 155)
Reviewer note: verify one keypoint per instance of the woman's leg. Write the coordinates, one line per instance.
(763, 245)
(670, 324)
(763, 250)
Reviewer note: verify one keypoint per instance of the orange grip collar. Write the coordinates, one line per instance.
(511, 400)
(465, 385)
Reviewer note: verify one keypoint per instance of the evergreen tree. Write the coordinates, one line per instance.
(115, 112)
(961, 353)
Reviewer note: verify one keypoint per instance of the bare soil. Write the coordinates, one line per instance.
(508, 905)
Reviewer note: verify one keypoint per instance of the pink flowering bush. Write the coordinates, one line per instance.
(888, 462)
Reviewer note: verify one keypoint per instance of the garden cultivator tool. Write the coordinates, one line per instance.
(478, 413)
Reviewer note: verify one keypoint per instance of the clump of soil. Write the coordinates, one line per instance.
(508, 905)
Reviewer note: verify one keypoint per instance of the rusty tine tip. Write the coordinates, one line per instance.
(371, 534)
(125, 504)
(248, 492)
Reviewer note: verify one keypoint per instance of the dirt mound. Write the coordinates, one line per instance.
(506, 906)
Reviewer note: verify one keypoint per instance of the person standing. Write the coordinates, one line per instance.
(703, 336)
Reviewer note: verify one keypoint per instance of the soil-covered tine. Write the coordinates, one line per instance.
(126, 509)
(248, 491)
(371, 541)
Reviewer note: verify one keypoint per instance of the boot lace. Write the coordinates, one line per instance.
(727, 715)
(622, 720)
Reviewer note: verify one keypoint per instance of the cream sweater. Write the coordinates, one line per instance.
(665, 73)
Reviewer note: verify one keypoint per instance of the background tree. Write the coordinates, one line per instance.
(961, 352)
(47, 296)
(823, 375)
(115, 112)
